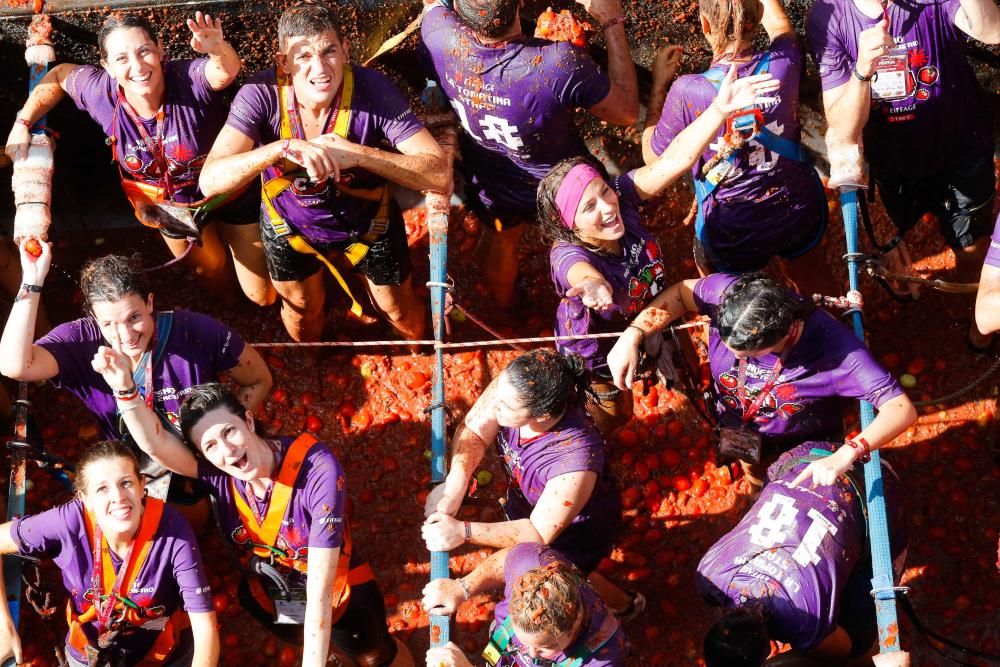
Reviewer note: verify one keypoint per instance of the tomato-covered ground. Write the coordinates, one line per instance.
(369, 405)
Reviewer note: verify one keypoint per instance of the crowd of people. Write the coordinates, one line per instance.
(330, 141)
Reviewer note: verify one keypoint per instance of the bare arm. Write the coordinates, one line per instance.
(775, 20)
(253, 376)
(46, 95)
(443, 596)
(319, 605)
(205, 633)
(590, 285)
(665, 65)
(20, 358)
(979, 19)
(621, 106)
(988, 300)
(233, 162)
(420, 164)
(223, 62)
(10, 642)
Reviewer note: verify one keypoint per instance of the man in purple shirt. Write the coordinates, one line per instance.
(899, 74)
(515, 97)
(312, 128)
(795, 568)
(542, 589)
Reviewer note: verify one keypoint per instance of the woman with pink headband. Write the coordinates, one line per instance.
(604, 264)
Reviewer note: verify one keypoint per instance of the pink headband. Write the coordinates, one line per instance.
(571, 191)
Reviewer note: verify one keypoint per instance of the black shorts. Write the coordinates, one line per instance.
(386, 263)
(961, 199)
(496, 218)
(244, 210)
(361, 632)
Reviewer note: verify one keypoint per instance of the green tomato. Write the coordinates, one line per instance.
(908, 381)
(484, 477)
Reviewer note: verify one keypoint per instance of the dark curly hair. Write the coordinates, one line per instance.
(204, 398)
(549, 218)
(487, 18)
(122, 21)
(756, 312)
(111, 278)
(547, 381)
(738, 639)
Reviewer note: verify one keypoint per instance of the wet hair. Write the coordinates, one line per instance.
(487, 18)
(122, 21)
(98, 452)
(547, 600)
(547, 381)
(306, 19)
(739, 639)
(756, 312)
(111, 278)
(731, 21)
(201, 399)
(550, 219)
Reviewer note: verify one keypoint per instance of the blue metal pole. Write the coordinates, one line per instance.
(878, 525)
(437, 227)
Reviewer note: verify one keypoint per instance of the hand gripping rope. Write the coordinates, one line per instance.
(883, 586)
(438, 207)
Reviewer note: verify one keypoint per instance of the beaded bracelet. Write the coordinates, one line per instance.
(468, 533)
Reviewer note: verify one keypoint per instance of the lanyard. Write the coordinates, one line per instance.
(156, 147)
(749, 411)
(147, 381)
(101, 548)
(293, 112)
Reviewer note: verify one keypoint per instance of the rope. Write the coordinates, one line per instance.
(948, 398)
(453, 346)
(175, 260)
(876, 270)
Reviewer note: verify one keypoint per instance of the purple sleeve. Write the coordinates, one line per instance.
(858, 375)
(825, 33)
(186, 563)
(709, 290)
(562, 257)
(683, 105)
(196, 80)
(391, 111)
(324, 498)
(221, 344)
(993, 254)
(89, 87)
(254, 111)
(624, 185)
(577, 81)
(45, 534)
(73, 345)
(581, 450)
(437, 26)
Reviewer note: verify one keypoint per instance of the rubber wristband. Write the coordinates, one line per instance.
(37, 289)
(610, 23)
(22, 121)
(642, 332)
(860, 77)
(126, 406)
(127, 393)
(864, 453)
(468, 535)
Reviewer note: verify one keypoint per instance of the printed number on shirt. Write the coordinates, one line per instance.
(759, 158)
(777, 518)
(493, 128)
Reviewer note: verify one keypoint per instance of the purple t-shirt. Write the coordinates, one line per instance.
(380, 115)
(766, 200)
(826, 367)
(636, 277)
(795, 555)
(172, 576)
(193, 116)
(316, 512)
(928, 113)
(516, 102)
(602, 629)
(993, 254)
(199, 348)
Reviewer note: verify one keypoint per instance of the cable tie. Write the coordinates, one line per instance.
(876, 592)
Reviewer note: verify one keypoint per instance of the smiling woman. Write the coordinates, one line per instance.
(143, 545)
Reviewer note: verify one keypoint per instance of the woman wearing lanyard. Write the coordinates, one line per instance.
(604, 263)
(168, 351)
(783, 371)
(161, 118)
(560, 492)
(130, 565)
(280, 503)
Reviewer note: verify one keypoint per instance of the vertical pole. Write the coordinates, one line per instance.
(878, 525)
(437, 226)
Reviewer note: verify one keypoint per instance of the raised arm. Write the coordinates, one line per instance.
(669, 305)
(979, 19)
(20, 358)
(160, 443)
(988, 300)
(207, 38)
(420, 164)
(621, 106)
(665, 64)
(253, 376)
(775, 21)
(688, 146)
(10, 642)
(46, 95)
(319, 605)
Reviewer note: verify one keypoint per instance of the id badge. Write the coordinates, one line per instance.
(891, 79)
(740, 443)
(719, 172)
(291, 611)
